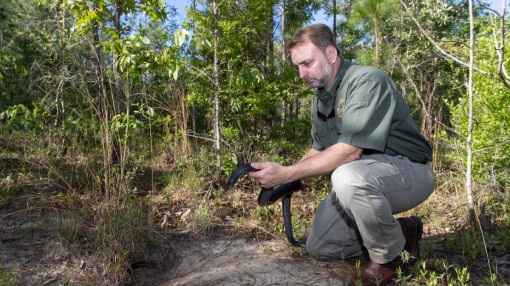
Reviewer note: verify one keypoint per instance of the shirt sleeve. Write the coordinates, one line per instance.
(368, 113)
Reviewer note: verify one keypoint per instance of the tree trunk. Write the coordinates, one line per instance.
(377, 32)
(102, 112)
(284, 58)
(469, 143)
(269, 58)
(59, 100)
(216, 82)
(120, 104)
(193, 105)
(334, 19)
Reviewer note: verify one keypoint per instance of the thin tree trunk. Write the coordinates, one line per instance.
(119, 94)
(102, 112)
(377, 31)
(426, 100)
(469, 143)
(216, 79)
(121, 100)
(193, 105)
(334, 18)
(59, 101)
(284, 58)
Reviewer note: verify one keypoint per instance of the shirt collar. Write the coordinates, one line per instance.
(324, 94)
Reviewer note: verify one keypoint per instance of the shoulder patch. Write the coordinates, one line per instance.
(340, 107)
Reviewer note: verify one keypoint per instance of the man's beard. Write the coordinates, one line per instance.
(320, 82)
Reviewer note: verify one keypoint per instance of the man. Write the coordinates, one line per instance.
(364, 136)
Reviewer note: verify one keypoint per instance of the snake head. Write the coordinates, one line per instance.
(241, 170)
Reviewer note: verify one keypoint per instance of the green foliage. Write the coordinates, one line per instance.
(230, 164)
(204, 218)
(491, 136)
(16, 118)
(190, 173)
(103, 11)
(71, 226)
(7, 279)
(122, 233)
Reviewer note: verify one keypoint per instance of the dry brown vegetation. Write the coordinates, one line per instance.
(77, 238)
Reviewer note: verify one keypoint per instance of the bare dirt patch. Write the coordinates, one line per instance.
(30, 254)
(242, 262)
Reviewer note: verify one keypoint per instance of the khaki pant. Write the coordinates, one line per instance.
(357, 216)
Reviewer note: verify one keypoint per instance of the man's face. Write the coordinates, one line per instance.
(314, 67)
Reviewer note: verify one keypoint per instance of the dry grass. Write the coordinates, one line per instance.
(165, 201)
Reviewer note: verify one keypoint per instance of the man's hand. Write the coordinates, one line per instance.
(270, 174)
(314, 163)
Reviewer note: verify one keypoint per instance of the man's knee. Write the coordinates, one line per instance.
(320, 251)
(323, 252)
(313, 250)
(346, 182)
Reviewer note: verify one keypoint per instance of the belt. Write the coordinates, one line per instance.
(372, 151)
(424, 162)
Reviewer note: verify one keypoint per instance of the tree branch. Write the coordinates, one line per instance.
(453, 131)
(439, 48)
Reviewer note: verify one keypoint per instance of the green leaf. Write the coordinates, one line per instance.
(180, 36)
(150, 111)
(176, 72)
(145, 40)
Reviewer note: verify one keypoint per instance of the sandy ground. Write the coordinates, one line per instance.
(242, 262)
(32, 255)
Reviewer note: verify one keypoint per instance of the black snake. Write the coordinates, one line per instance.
(269, 196)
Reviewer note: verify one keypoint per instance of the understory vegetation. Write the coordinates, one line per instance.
(122, 125)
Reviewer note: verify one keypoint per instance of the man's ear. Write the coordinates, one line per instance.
(332, 54)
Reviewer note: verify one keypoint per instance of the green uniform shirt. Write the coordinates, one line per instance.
(363, 108)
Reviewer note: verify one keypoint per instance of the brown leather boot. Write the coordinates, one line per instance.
(412, 228)
(381, 274)
(372, 274)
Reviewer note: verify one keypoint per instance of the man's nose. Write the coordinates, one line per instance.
(303, 72)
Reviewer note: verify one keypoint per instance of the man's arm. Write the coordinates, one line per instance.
(314, 163)
(310, 153)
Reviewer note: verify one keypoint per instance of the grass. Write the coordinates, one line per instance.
(7, 279)
(186, 197)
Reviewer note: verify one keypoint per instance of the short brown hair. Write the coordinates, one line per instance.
(318, 34)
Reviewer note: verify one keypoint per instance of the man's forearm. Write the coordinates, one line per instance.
(310, 153)
(316, 163)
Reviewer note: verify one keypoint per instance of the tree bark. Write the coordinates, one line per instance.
(284, 58)
(120, 104)
(102, 111)
(216, 82)
(334, 19)
(378, 37)
(469, 143)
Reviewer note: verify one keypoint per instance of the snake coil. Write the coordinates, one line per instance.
(269, 196)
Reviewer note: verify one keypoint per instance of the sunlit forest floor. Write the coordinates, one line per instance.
(213, 237)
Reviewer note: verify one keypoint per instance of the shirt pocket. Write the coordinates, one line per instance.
(323, 136)
(402, 164)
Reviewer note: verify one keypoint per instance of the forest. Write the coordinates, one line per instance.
(119, 124)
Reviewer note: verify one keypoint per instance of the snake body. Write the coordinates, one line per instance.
(269, 196)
